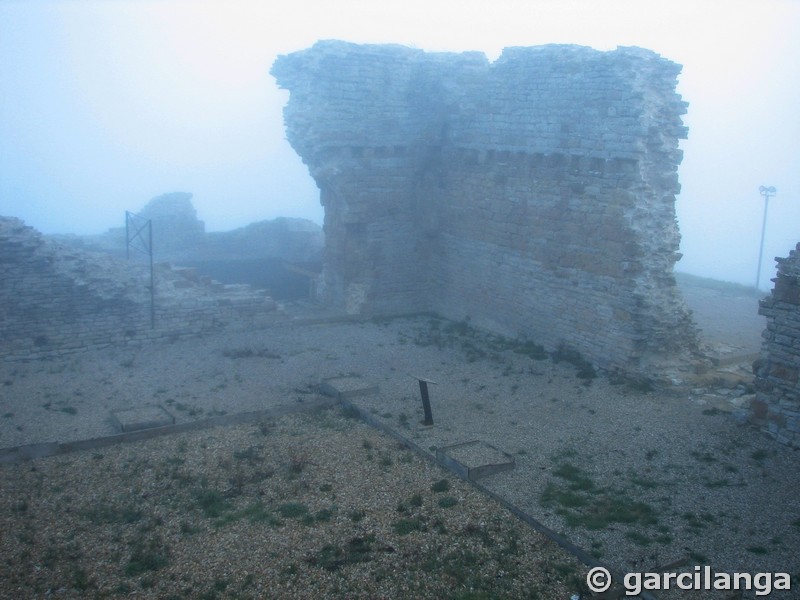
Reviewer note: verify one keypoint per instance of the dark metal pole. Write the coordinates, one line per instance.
(426, 401)
(127, 236)
(152, 279)
(766, 192)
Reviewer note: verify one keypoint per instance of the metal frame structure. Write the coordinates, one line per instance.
(134, 228)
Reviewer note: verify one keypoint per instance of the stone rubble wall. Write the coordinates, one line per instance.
(534, 195)
(777, 404)
(55, 299)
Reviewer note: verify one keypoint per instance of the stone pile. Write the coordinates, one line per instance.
(777, 404)
(533, 195)
(55, 299)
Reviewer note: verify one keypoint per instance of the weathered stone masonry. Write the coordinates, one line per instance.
(777, 404)
(534, 194)
(57, 300)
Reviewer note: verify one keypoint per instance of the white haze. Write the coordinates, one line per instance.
(105, 104)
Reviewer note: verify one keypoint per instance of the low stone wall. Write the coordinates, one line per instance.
(777, 405)
(56, 300)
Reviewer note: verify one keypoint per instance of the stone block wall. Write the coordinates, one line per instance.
(777, 404)
(534, 194)
(55, 299)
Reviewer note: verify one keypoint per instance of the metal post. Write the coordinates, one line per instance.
(152, 278)
(127, 236)
(426, 402)
(767, 192)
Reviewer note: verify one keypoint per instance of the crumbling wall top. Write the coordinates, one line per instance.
(530, 100)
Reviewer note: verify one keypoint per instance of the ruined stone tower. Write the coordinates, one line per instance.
(534, 195)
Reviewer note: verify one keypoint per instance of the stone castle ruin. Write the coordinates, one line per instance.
(533, 195)
(777, 404)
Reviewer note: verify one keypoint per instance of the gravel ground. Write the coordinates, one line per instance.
(638, 478)
(304, 506)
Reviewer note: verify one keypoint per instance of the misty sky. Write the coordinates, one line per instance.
(105, 104)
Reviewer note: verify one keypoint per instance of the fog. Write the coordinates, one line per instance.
(104, 105)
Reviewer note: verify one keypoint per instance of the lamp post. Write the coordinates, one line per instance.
(767, 192)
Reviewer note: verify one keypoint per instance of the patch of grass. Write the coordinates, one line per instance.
(639, 384)
(759, 455)
(187, 528)
(70, 410)
(147, 555)
(530, 349)
(80, 578)
(356, 515)
(584, 369)
(578, 480)
(596, 508)
(349, 411)
(323, 515)
(638, 538)
(257, 513)
(440, 486)
(759, 550)
(556, 496)
(292, 510)
(596, 548)
(447, 502)
(212, 503)
(406, 526)
(103, 513)
(331, 557)
(711, 411)
(416, 500)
